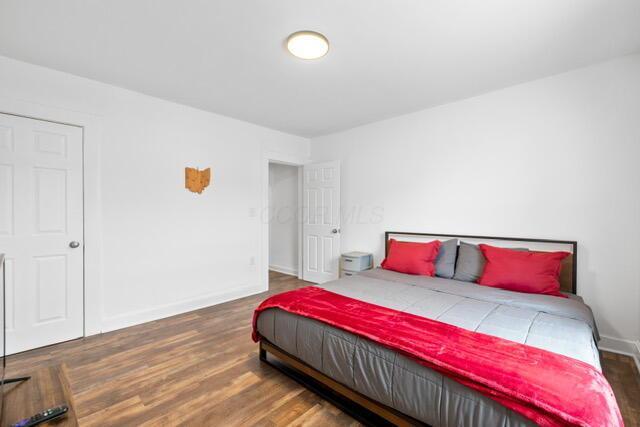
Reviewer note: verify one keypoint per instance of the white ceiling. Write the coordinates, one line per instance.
(387, 57)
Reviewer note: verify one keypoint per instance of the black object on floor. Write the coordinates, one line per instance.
(43, 416)
(13, 380)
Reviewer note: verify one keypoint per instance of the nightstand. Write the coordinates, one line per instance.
(353, 263)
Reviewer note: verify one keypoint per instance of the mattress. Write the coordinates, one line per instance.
(561, 325)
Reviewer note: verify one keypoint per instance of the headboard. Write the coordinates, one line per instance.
(568, 273)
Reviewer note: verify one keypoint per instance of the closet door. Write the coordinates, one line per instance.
(41, 231)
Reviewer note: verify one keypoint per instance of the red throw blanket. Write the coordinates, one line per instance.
(548, 388)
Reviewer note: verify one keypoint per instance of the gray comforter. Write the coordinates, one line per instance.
(564, 326)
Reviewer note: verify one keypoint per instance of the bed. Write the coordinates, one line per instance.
(376, 384)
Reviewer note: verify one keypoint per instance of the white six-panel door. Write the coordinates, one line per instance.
(321, 221)
(41, 219)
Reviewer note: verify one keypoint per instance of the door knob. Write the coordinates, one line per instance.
(74, 244)
(335, 231)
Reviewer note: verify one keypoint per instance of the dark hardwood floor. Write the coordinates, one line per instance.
(201, 368)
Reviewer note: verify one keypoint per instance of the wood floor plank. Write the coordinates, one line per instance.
(201, 368)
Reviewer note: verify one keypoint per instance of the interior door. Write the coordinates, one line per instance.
(321, 221)
(41, 231)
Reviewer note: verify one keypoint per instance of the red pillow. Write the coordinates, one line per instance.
(529, 272)
(412, 257)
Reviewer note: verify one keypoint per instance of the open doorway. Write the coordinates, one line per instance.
(284, 233)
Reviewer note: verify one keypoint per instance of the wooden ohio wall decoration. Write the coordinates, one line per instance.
(196, 180)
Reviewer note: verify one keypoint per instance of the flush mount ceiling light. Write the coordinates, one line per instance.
(307, 45)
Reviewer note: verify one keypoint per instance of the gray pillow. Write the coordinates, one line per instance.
(470, 264)
(446, 260)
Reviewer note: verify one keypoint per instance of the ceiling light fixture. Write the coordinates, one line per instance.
(307, 45)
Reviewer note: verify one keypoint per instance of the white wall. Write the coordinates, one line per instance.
(165, 250)
(555, 158)
(283, 224)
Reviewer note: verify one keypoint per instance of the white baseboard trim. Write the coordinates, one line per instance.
(621, 346)
(142, 316)
(284, 270)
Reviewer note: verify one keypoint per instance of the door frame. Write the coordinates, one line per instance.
(284, 159)
(92, 201)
